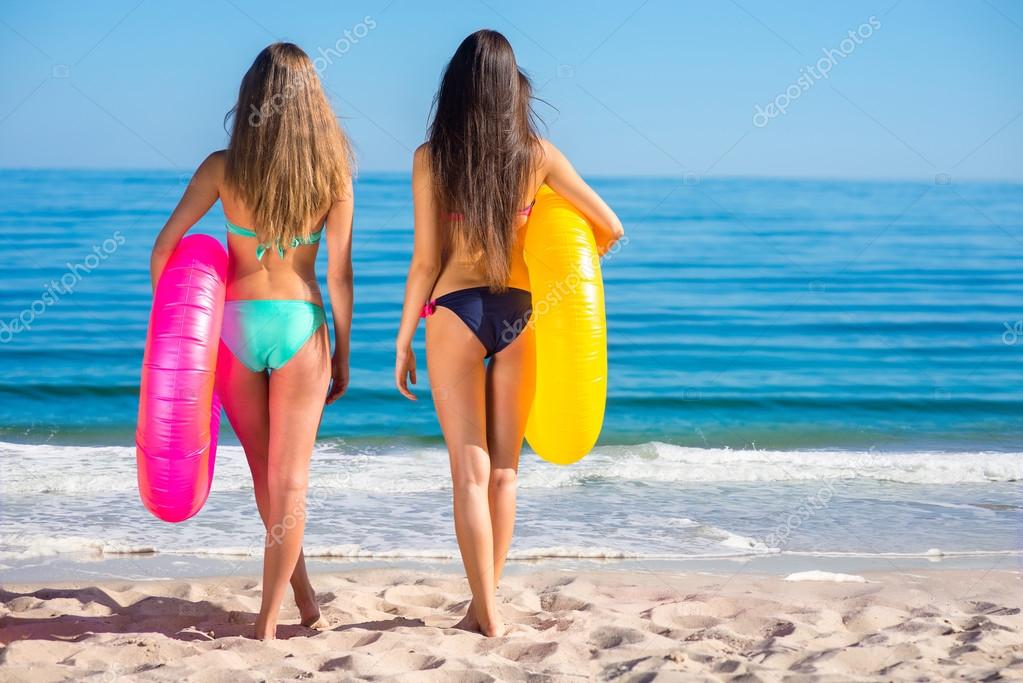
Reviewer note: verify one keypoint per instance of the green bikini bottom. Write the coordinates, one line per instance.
(265, 333)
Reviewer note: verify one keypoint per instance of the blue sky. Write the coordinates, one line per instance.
(637, 88)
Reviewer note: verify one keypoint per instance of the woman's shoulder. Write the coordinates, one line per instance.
(211, 170)
(213, 165)
(216, 160)
(421, 165)
(422, 153)
(547, 152)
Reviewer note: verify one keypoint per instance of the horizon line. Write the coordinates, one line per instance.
(596, 176)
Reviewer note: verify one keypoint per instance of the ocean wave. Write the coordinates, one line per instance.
(677, 463)
(706, 541)
(82, 470)
(931, 553)
(20, 547)
(90, 548)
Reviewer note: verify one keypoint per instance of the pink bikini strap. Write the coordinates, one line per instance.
(525, 211)
(428, 309)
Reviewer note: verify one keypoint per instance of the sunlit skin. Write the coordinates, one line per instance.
(482, 408)
(276, 415)
(285, 177)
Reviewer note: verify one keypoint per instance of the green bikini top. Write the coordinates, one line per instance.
(263, 247)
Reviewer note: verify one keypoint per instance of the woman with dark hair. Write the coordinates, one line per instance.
(473, 183)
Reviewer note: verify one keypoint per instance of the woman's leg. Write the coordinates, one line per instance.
(245, 396)
(296, 395)
(457, 381)
(510, 383)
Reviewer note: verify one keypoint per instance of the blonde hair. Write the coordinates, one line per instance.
(288, 158)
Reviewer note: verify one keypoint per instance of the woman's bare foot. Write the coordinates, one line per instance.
(264, 629)
(469, 621)
(309, 610)
(316, 622)
(492, 627)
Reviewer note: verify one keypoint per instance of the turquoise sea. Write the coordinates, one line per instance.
(805, 367)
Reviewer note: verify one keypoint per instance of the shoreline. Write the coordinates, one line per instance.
(169, 566)
(565, 625)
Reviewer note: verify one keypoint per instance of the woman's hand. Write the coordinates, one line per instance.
(405, 370)
(563, 179)
(338, 377)
(423, 270)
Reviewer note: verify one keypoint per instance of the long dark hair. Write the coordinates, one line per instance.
(484, 149)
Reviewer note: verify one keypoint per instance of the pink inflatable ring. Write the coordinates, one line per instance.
(179, 411)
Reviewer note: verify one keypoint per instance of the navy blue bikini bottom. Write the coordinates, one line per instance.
(497, 319)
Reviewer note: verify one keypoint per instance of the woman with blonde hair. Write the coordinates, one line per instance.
(284, 182)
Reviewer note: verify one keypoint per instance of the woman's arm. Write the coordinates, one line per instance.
(564, 180)
(422, 272)
(202, 192)
(340, 285)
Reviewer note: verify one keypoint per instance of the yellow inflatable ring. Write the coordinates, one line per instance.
(571, 333)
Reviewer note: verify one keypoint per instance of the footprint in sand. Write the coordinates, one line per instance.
(526, 652)
(418, 596)
(368, 639)
(693, 614)
(402, 664)
(873, 618)
(558, 602)
(990, 608)
(609, 637)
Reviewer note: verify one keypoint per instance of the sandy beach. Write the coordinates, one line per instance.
(639, 626)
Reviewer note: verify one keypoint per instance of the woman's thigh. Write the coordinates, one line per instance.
(454, 358)
(297, 394)
(510, 385)
(245, 395)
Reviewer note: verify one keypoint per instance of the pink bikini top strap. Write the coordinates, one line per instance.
(526, 211)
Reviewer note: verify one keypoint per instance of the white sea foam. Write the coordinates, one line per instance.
(649, 501)
(19, 547)
(677, 463)
(932, 553)
(22, 546)
(825, 576)
(83, 470)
